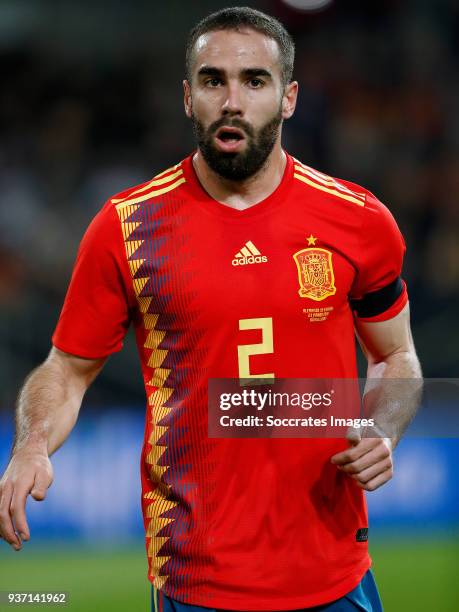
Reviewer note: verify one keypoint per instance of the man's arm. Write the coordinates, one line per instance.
(389, 349)
(47, 410)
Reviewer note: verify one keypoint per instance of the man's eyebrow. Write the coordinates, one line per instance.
(209, 71)
(246, 72)
(256, 72)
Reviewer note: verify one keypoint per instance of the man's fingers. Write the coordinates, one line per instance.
(6, 524)
(373, 456)
(373, 471)
(27, 472)
(353, 453)
(376, 482)
(41, 484)
(17, 511)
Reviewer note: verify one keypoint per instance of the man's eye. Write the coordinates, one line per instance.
(256, 83)
(214, 82)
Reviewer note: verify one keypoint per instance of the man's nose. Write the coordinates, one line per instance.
(233, 100)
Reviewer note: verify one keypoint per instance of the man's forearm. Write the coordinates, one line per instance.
(47, 408)
(393, 393)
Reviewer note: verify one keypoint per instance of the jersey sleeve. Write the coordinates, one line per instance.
(378, 292)
(96, 311)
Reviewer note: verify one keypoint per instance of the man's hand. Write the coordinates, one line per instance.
(47, 410)
(29, 471)
(368, 461)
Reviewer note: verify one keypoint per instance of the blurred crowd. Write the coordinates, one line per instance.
(378, 105)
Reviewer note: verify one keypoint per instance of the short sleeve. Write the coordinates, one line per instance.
(378, 292)
(96, 311)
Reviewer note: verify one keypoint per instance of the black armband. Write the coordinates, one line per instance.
(376, 302)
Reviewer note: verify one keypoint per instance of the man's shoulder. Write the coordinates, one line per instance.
(333, 187)
(159, 184)
(356, 201)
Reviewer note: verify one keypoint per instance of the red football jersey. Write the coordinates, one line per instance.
(243, 524)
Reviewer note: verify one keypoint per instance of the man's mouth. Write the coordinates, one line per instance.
(229, 139)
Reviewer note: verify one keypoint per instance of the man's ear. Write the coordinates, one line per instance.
(187, 98)
(289, 99)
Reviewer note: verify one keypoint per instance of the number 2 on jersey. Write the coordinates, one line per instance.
(264, 347)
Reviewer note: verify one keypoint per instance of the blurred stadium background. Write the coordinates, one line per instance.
(91, 103)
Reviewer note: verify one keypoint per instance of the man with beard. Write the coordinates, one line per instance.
(239, 262)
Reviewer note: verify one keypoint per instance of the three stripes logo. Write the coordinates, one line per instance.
(249, 254)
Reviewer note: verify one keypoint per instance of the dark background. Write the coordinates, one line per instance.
(91, 104)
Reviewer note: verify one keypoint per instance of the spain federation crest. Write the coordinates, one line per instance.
(315, 273)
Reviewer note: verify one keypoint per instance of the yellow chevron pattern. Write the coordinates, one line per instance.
(157, 400)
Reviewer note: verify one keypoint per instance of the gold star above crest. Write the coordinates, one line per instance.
(311, 240)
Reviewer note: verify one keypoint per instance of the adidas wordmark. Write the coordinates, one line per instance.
(249, 254)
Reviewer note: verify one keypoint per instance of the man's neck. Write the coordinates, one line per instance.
(242, 194)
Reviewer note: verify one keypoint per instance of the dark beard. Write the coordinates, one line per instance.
(238, 166)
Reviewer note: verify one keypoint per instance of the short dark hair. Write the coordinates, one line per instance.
(245, 17)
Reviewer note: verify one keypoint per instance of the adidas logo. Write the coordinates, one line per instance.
(249, 254)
